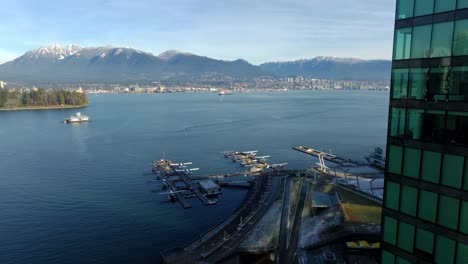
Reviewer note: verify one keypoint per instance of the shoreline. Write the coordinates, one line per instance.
(43, 108)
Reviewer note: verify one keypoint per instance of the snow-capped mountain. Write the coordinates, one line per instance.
(73, 63)
(53, 51)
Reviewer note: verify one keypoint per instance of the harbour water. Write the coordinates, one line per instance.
(82, 193)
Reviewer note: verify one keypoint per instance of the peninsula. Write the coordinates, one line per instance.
(40, 99)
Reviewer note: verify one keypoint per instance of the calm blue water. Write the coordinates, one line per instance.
(81, 193)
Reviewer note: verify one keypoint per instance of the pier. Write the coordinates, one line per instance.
(180, 185)
(223, 239)
(362, 178)
(292, 216)
(256, 163)
(328, 156)
(171, 174)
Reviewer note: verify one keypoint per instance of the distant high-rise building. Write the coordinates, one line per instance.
(425, 215)
(2, 84)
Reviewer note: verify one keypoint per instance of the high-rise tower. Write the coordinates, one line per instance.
(425, 213)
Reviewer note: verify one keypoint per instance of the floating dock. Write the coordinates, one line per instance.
(180, 185)
(172, 175)
(250, 159)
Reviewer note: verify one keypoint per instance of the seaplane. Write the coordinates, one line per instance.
(256, 169)
(228, 154)
(164, 184)
(248, 163)
(241, 157)
(181, 165)
(187, 170)
(251, 152)
(259, 168)
(171, 194)
(279, 166)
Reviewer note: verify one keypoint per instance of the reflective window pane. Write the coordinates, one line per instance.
(387, 257)
(444, 5)
(423, 7)
(448, 212)
(390, 230)
(398, 119)
(392, 195)
(402, 46)
(466, 175)
(464, 218)
(442, 39)
(462, 253)
(417, 84)
(452, 171)
(404, 9)
(424, 240)
(427, 206)
(411, 162)
(414, 124)
(460, 40)
(400, 78)
(401, 260)
(405, 236)
(462, 4)
(459, 84)
(438, 84)
(421, 42)
(457, 128)
(445, 250)
(431, 166)
(434, 126)
(395, 154)
(409, 200)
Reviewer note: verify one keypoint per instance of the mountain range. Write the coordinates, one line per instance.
(73, 63)
(332, 68)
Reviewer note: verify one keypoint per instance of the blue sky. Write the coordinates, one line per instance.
(255, 30)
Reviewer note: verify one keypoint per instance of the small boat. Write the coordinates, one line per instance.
(225, 92)
(78, 118)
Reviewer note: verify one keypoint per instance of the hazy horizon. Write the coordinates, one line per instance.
(260, 31)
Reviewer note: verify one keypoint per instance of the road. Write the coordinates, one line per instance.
(284, 224)
(296, 227)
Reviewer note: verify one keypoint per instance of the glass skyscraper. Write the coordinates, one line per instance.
(425, 215)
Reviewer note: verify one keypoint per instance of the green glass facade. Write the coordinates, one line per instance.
(425, 215)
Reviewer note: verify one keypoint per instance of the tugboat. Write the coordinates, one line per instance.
(78, 118)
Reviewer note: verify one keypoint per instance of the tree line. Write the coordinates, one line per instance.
(39, 97)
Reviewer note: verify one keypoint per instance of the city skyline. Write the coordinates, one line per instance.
(257, 32)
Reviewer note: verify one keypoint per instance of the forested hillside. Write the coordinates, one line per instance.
(40, 98)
